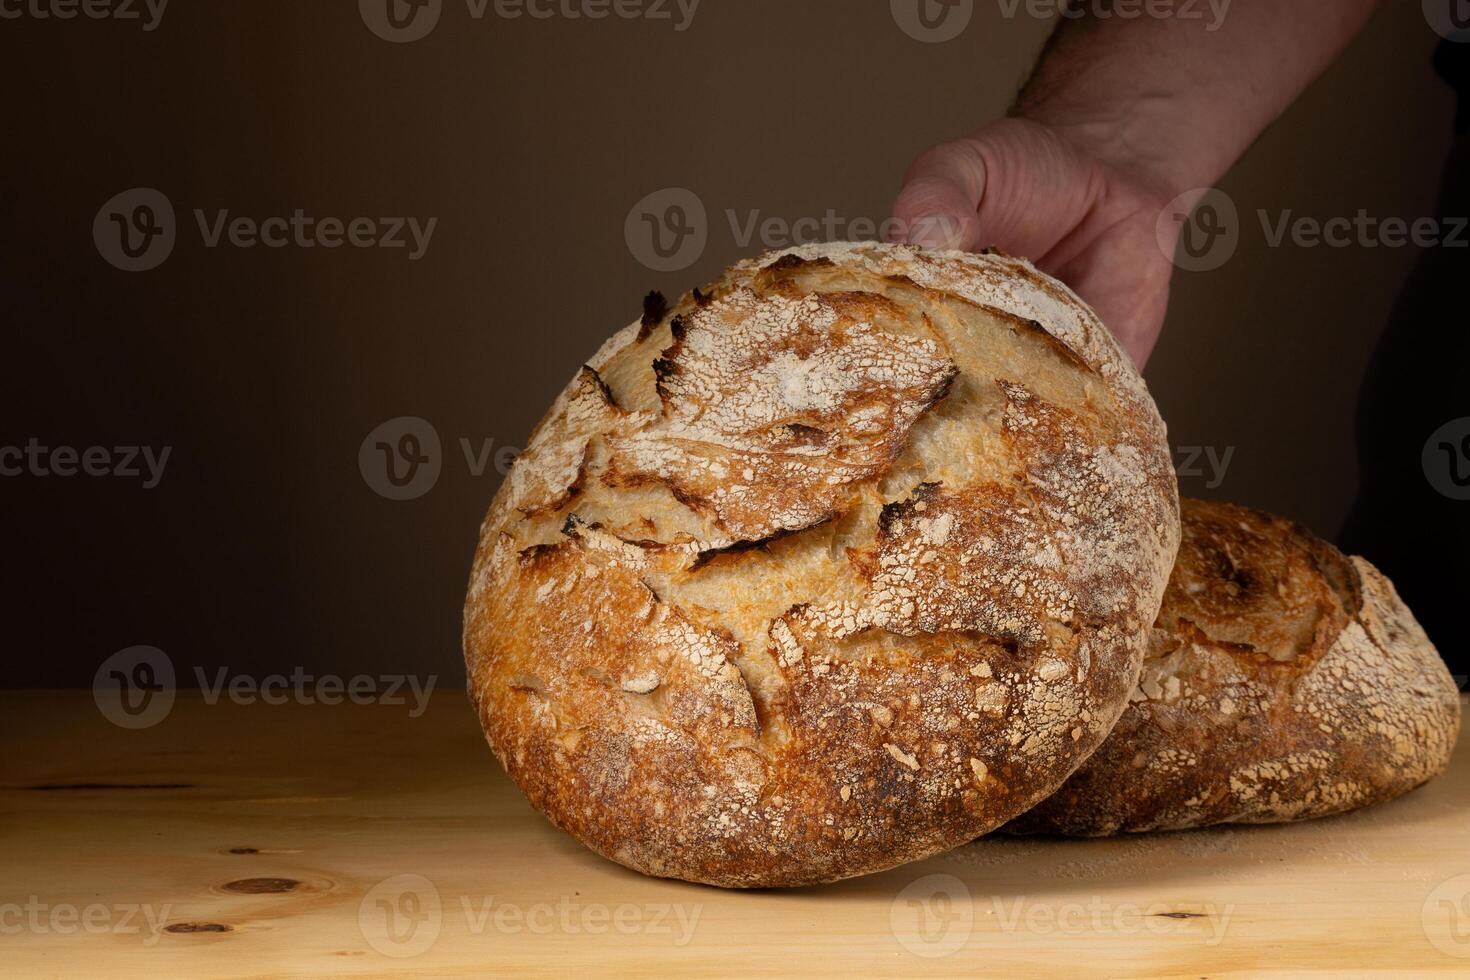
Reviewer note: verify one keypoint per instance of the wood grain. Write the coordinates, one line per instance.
(306, 840)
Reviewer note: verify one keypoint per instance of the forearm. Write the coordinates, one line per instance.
(1174, 100)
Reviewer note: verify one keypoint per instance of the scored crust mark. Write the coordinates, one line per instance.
(994, 280)
(981, 560)
(552, 469)
(977, 559)
(774, 406)
(1027, 326)
(1001, 559)
(602, 620)
(1260, 588)
(708, 555)
(1270, 692)
(1035, 329)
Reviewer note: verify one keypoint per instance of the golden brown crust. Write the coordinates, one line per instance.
(818, 571)
(1284, 682)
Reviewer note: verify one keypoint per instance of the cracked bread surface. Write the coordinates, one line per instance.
(1284, 681)
(831, 565)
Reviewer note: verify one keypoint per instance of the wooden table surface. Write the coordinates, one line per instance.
(308, 840)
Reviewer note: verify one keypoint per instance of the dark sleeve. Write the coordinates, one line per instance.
(1452, 61)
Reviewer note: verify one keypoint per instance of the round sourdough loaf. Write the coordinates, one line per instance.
(836, 563)
(1284, 681)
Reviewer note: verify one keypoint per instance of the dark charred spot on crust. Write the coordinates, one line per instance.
(663, 372)
(800, 434)
(795, 612)
(892, 512)
(655, 308)
(793, 261)
(665, 368)
(1238, 579)
(701, 298)
(900, 509)
(942, 392)
(533, 554)
(572, 526)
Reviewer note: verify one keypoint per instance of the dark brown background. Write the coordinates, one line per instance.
(263, 548)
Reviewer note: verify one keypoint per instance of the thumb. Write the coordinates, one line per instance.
(1015, 184)
(941, 194)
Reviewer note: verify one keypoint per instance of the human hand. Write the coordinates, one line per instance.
(1047, 194)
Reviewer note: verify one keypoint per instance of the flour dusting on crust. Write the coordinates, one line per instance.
(832, 564)
(1284, 682)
